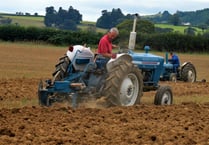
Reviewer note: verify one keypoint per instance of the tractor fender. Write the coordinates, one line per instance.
(119, 59)
(184, 64)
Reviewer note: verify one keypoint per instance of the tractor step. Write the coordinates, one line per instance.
(78, 85)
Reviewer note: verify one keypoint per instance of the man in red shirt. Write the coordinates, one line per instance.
(105, 44)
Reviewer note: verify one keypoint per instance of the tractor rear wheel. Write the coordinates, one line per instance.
(61, 68)
(163, 96)
(124, 85)
(188, 73)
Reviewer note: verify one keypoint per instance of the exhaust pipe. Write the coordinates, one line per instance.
(132, 38)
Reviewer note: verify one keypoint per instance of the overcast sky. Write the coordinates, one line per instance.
(91, 9)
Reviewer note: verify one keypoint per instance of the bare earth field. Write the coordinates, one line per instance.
(23, 121)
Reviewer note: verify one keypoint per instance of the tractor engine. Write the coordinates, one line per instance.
(151, 67)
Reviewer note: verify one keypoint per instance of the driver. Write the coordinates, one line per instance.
(175, 61)
(105, 44)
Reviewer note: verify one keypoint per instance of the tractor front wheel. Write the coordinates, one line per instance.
(163, 96)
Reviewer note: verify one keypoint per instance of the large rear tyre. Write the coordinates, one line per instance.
(188, 73)
(163, 96)
(61, 68)
(124, 85)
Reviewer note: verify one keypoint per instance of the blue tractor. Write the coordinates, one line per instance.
(186, 72)
(81, 75)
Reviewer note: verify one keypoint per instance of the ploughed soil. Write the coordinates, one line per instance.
(180, 123)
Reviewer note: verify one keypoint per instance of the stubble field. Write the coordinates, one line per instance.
(23, 121)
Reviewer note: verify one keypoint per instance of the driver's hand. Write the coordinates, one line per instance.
(114, 46)
(114, 55)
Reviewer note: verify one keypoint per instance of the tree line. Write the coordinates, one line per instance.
(163, 41)
(145, 36)
(197, 18)
(68, 19)
(48, 35)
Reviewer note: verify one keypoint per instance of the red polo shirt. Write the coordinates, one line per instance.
(105, 45)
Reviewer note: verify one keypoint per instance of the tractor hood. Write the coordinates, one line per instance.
(149, 63)
(146, 60)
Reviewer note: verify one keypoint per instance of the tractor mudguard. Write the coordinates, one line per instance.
(185, 63)
(120, 57)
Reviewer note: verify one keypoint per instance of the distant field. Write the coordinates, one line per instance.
(39, 22)
(86, 25)
(177, 28)
(26, 20)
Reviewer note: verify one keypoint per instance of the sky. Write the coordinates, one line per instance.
(91, 9)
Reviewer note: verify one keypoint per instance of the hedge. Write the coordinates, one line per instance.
(157, 41)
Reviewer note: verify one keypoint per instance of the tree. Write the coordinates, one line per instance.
(35, 14)
(175, 20)
(74, 15)
(116, 15)
(143, 27)
(110, 19)
(61, 16)
(165, 16)
(68, 25)
(27, 14)
(159, 17)
(62, 19)
(50, 18)
(104, 20)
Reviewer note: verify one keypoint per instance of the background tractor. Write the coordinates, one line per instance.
(81, 75)
(186, 72)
